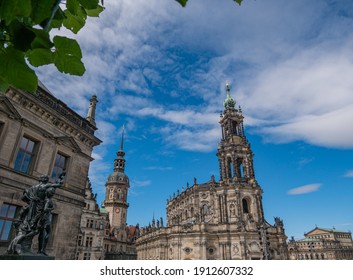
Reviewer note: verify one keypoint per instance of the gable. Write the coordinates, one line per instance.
(7, 107)
(318, 231)
(69, 142)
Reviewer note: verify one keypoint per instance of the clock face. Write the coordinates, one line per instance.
(117, 210)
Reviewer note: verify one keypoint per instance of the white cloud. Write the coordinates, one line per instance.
(308, 98)
(349, 174)
(108, 132)
(290, 74)
(159, 168)
(193, 139)
(305, 189)
(143, 183)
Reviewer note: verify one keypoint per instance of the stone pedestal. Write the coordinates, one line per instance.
(13, 257)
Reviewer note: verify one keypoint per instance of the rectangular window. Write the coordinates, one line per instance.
(89, 241)
(7, 216)
(59, 166)
(87, 256)
(79, 240)
(89, 223)
(25, 155)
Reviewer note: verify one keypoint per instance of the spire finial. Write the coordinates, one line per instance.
(229, 102)
(122, 138)
(227, 89)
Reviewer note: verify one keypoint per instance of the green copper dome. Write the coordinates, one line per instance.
(229, 102)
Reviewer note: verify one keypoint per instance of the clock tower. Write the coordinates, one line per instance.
(117, 186)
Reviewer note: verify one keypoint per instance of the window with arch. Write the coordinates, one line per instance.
(240, 168)
(230, 167)
(245, 203)
(234, 128)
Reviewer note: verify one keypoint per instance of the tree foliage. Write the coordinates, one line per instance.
(25, 27)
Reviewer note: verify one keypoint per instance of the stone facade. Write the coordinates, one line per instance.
(92, 229)
(322, 244)
(41, 135)
(218, 220)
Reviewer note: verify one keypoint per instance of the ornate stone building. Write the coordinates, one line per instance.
(118, 243)
(41, 135)
(92, 229)
(322, 244)
(218, 220)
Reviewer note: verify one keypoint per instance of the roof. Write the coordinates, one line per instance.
(330, 230)
(333, 230)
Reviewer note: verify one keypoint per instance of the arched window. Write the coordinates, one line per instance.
(246, 208)
(234, 128)
(230, 167)
(240, 168)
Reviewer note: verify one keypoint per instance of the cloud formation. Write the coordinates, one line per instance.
(349, 174)
(305, 189)
(155, 59)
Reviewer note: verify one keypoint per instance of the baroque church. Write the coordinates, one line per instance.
(218, 220)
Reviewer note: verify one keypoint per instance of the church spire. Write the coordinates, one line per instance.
(119, 162)
(122, 139)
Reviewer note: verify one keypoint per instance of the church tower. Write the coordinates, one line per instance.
(236, 166)
(234, 152)
(117, 186)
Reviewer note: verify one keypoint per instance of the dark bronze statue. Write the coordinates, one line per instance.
(35, 217)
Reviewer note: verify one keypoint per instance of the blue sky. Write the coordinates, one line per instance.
(161, 70)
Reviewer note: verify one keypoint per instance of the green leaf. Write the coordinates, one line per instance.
(74, 22)
(182, 2)
(41, 10)
(10, 9)
(39, 57)
(72, 6)
(89, 4)
(15, 71)
(238, 1)
(67, 56)
(22, 36)
(42, 39)
(3, 85)
(95, 12)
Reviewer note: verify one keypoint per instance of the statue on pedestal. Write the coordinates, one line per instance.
(35, 217)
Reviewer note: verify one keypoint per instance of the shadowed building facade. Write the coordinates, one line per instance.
(41, 135)
(218, 220)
